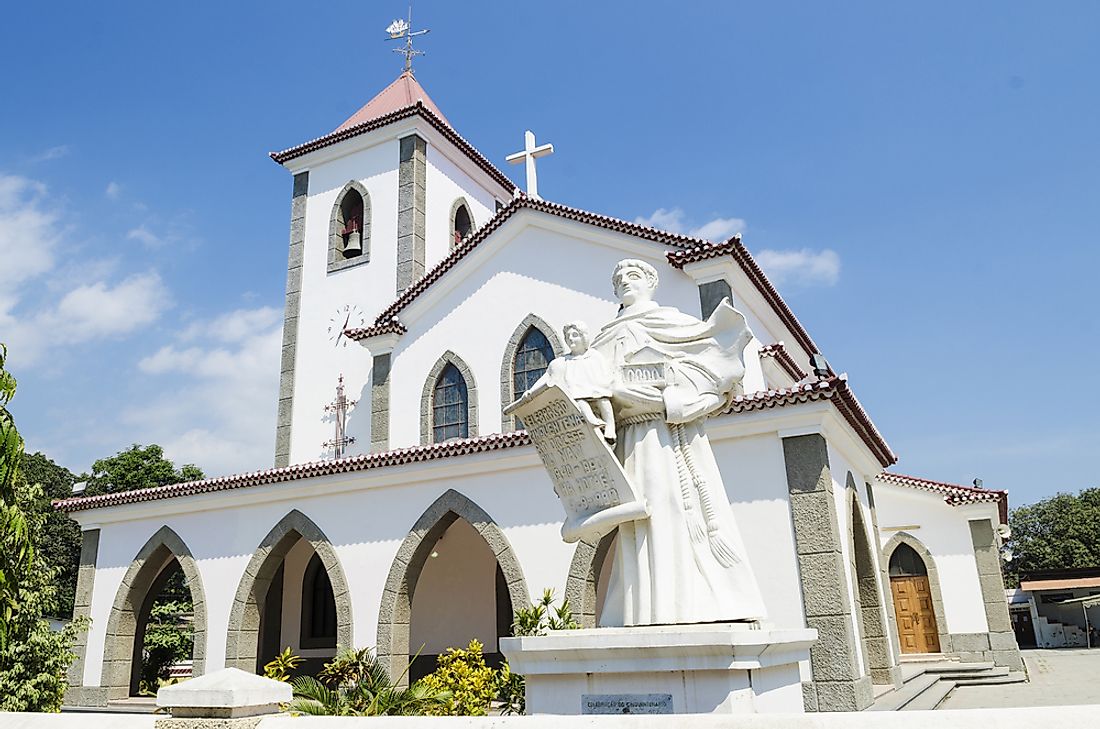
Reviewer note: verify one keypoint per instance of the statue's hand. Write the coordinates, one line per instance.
(638, 395)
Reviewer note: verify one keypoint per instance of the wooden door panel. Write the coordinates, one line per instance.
(916, 617)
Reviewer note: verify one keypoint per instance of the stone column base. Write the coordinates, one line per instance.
(720, 668)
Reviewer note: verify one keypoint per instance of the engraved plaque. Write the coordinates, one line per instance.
(626, 703)
(596, 494)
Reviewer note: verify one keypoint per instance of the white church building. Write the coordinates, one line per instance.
(420, 275)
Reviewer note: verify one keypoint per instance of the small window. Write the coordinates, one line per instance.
(532, 358)
(318, 607)
(349, 228)
(351, 225)
(905, 562)
(450, 406)
(462, 223)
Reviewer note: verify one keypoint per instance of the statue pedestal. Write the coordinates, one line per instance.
(716, 668)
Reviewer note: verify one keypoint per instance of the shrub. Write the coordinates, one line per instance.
(471, 683)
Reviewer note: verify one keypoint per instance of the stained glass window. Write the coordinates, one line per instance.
(905, 562)
(532, 357)
(450, 406)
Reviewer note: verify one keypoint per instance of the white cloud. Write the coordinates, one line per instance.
(673, 220)
(100, 310)
(113, 190)
(803, 267)
(28, 233)
(221, 378)
(145, 236)
(52, 153)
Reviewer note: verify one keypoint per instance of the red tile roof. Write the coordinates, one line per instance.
(391, 326)
(834, 389)
(415, 454)
(952, 493)
(733, 247)
(523, 202)
(780, 354)
(404, 91)
(419, 108)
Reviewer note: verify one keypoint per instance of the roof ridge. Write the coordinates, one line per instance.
(516, 203)
(441, 125)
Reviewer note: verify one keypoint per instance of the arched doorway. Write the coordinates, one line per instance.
(163, 571)
(918, 629)
(293, 593)
(455, 577)
(872, 628)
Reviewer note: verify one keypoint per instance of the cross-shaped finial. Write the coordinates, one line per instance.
(401, 28)
(529, 154)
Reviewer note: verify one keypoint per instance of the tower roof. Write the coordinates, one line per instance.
(403, 92)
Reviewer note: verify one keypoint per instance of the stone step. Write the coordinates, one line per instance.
(992, 680)
(925, 658)
(961, 668)
(931, 698)
(910, 690)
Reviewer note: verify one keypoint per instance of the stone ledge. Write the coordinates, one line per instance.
(719, 646)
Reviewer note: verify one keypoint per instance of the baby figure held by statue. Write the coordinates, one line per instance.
(584, 375)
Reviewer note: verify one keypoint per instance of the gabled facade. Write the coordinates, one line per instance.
(419, 273)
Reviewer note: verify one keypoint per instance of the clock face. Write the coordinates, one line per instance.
(348, 316)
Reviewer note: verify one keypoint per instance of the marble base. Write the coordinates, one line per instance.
(718, 668)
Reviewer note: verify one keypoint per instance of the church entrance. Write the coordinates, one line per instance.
(299, 612)
(460, 595)
(917, 629)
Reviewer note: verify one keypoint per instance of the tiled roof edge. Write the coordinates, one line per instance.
(518, 203)
(834, 388)
(953, 493)
(400, 456)
(391, 326)
(780, 354)
(395, 116)
(735, 248)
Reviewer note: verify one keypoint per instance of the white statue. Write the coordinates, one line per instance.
(584, 375)
(685, 563)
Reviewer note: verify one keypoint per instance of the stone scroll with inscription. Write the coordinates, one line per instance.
(591, 484)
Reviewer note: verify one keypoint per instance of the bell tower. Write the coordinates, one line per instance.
(376, 203)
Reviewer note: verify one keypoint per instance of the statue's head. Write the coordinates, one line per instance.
(576, 336)
(634, 280)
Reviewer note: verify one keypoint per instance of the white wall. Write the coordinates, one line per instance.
(945, 531)
(455, 598)
(445, 183)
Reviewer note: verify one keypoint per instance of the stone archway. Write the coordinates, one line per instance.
(122, 625)
(243, 638)
(394, 615)
(868, 595)
(933, 580)
(582, 585)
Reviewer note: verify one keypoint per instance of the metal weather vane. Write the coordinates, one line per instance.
(340, 406)
(402, 29)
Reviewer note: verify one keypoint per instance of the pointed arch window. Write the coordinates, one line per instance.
(533, 356)
(462, 222)
(905, 562)
(450, 406)
(318, 607)
(349, 228)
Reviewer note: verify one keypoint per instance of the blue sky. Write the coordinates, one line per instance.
(921, 180)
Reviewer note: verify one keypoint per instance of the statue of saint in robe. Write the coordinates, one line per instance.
(686, 563)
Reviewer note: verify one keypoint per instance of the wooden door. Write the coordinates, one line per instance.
(917, 628)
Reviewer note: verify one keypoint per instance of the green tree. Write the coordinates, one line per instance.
(1060, 532)
(138, 467)
(59, 542)
(33, 657)
(16, 546)
(36, 659)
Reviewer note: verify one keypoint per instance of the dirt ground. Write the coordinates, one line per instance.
(1058, 677)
